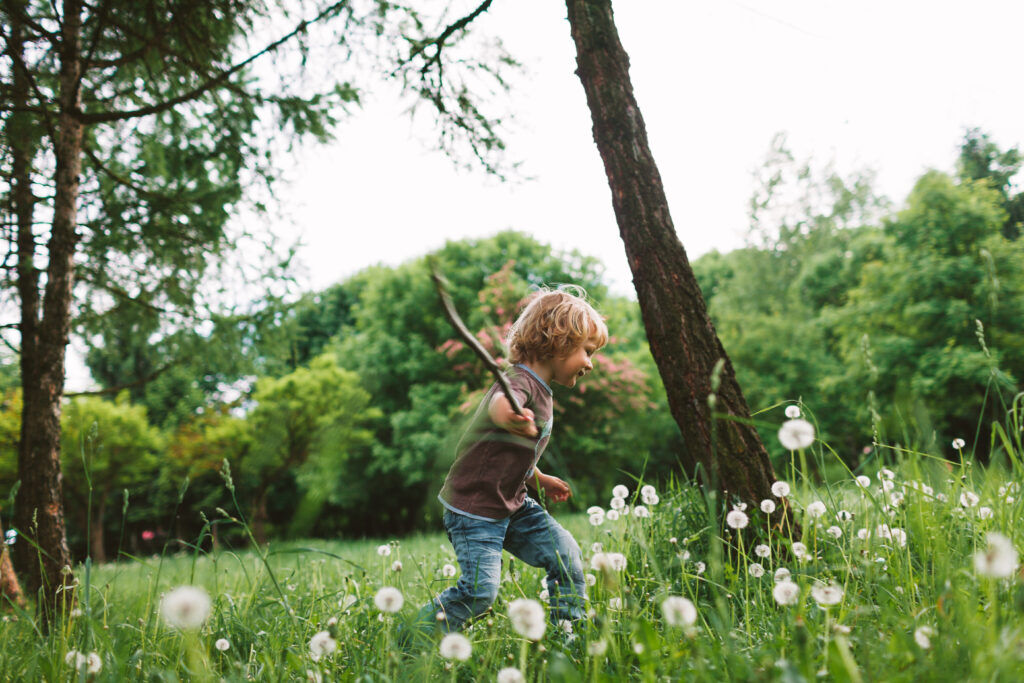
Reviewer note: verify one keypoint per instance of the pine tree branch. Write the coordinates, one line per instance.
(105, 117)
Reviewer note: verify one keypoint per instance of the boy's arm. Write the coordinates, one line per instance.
(502, 415)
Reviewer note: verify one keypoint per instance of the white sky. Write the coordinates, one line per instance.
(889, 85)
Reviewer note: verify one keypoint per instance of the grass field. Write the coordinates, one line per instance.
(909, 574)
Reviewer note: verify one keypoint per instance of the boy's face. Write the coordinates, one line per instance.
(579, 362)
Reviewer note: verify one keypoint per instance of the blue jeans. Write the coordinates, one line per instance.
(532, 535)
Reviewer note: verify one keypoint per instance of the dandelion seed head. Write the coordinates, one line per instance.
(834, 531)
(620, 491)
(455, 646)
(827, 595)
(322, 645)
(186, 607)
(792, 412)
(863, 481)
(737, 519)
(511, 674)
(448, 570)
(384, 550)
(762, 550)
(999, 559)
(527, 618)
(755, 570)
(782, 574)
(597, 648)
(969, 499)
(767, 506)
(780, 489)
(641, 512)
(389, 599)
(786, 592)
(923, 636)
(816, 509)
(958, 443)
(222, 644)
(795, 435)
(678, 611)
(396, 566)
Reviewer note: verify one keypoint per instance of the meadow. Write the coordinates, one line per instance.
(906, 570)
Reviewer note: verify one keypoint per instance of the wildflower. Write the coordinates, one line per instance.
(984, 512)
(959, 443)
(799, 550)
(699, 567)
(638, 648)
(186, 607)
(792, 412)
(456, 646)
(333, 621)
(566, 626)
(596, 547)
(896, 498)
(347, 601)
(222, 644)
(900, 536)
(999, 559)
(816, 509)
(882, 531)
(93, 663)
(613, 515)
(762, 550)
(314, 676)
(842, 628)
(595, 510)
(389, 599)
(620, 491)
(448, 571)
(923, 636)
(969, 499)
(673, 540)
(618, 503)
(641, 512)
(321, 644)
(742, 507)
(544, 595)
(827, 595)
(396, 566)
(527, 617)
(797, 434)
(651, 499)
(767, 506)
(590, 579)
(755, 570)
(782, 574)
(863, 534)
(608, 561)
(597, 648)
(886, 474)
(737, 519)
(384, 550)
(780, 489)
(647, 491)
(834, 531)
(597, 520)
(678, 611)
(511, 674)
(786, 592)
(615, 604)
(863, 481)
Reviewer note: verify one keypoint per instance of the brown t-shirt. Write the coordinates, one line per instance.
(488, 478)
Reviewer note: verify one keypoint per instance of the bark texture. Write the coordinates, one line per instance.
(683, 341)
(39, 513)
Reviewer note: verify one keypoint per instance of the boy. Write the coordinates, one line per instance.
(484, 494)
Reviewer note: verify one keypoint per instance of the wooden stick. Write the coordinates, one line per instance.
(471, 341)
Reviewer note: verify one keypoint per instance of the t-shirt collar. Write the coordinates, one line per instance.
(542, 382)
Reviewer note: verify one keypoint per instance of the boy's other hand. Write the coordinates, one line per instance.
(555, 488)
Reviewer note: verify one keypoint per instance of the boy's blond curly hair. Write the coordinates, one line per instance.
(553, 324)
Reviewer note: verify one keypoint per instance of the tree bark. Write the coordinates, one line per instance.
(39, 511)
(10, 589)
(723, 452)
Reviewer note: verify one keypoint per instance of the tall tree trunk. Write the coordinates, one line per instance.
(683, 341)
(39, 511)
(96, 549)
(10, 589)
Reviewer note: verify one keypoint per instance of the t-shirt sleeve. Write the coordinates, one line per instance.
(520, 388)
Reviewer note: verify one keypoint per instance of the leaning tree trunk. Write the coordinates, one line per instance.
(683, 341)
(39, 511)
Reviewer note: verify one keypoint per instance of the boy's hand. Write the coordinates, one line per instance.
(505, 418)
(554, 488)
